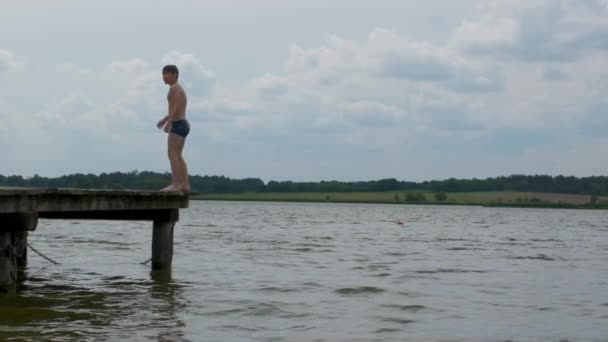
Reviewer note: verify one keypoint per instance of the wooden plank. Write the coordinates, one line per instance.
(71, 191)
(122, 215)
(20, 209)
(15, 200)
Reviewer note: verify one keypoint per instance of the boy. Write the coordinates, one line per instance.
(176, 125)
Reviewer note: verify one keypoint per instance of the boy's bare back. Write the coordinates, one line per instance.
(177, 102)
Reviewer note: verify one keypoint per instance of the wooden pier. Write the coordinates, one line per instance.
(20, 209)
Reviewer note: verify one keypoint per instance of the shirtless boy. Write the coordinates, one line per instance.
(176, 125)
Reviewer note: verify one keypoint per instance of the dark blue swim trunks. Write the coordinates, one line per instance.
(180, 127)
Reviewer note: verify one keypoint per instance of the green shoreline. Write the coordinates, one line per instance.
(483, 199)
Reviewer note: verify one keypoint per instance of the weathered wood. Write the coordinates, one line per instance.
(162, 244)
(20, 209)
(20, 200)
(18, 221)
(123, 215)
(13, 245)
(20, 244)
(8, 267)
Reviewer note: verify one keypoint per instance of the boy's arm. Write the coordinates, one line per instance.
(162, 122)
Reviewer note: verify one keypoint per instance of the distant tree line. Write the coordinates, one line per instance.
(136, 180)
(146, 180)
(538, 183)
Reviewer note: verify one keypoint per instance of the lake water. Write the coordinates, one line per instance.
(259, 271)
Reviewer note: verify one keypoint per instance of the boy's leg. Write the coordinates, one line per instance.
(173, 153)
(185, 178)
(183, 168)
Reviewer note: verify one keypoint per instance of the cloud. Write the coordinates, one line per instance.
(339, 90)
(101, 116)
(134, 66)
(578, 157)
(193, 75)
(554, 75)
(369, 113)
(270, 84)
(8, 62)
(394, 91)
(386, 54)
(513, 81)
(536, 30)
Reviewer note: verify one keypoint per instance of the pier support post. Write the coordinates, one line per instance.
(21, 248)
(162, 244)
(14, 229)
(8, 266)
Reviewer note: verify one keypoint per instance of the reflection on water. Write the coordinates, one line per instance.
(321, 272)
(167, 292)
(111, 307)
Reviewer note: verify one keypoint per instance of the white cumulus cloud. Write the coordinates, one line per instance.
(8, 61)
(193, 75)
(536, 30)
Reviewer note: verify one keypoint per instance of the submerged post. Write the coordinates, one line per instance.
(21, 248)
(24, 223)
(162, 244)
(162, 239)
(13, 245)
(8, 268)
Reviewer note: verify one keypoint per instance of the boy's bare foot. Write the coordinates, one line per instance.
(171, 188)
(184, 188)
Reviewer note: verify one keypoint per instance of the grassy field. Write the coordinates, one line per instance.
(497, 198)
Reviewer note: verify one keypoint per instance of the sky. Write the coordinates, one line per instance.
(348, 90)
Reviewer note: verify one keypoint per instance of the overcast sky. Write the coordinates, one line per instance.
(308, 90)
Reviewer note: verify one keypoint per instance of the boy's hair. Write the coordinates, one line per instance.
(172, 69)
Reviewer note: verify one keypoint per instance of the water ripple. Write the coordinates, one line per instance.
(450, 270)
(320, 272)
(359, 290)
